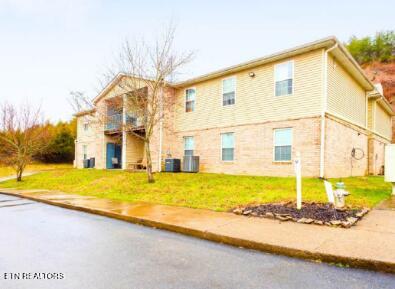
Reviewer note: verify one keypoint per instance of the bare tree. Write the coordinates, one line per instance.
(151, 69)
(148, 70)
(22, 135)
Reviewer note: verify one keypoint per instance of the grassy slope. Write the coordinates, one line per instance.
(211, 191)
(8, 171)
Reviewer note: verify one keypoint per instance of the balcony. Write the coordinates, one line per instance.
(113, 123)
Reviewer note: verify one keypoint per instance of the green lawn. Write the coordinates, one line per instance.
(211, 191)
(8, 171)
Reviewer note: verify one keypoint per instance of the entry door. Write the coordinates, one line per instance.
(118, 155)
(110, 153)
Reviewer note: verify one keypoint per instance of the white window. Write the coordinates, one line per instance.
(85, 151)
(228, 91)
(190, 95)
(227, 146)
(282, 144)
(189, 145)
(86, 126)
(283, 75)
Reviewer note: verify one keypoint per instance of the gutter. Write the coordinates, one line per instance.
(324, 108)
(160, 132)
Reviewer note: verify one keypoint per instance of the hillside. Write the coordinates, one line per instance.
(383, 73)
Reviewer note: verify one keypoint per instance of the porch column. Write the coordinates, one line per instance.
(124, 135)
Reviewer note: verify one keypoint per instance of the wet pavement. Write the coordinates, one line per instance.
(369, 244)
(92, 251)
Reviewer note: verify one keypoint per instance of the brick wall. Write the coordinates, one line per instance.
(254, 148)
(340, 139)
(376, 154)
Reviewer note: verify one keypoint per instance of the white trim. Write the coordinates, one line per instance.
(124, 136)
(188, 136)
(222, 90)
(160, 131)
(324, 109)
(346, 120)
(185, 99)
(274, 143)
(358, 125)
(234, 147)
(293, 77)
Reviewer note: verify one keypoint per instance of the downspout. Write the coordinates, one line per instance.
(123, 132)
(324, 109)
(160, 132)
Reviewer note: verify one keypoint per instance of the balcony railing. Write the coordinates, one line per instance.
(114, 122)
(133, 121)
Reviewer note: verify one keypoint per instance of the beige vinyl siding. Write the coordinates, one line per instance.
(346, 98)
(255, 101)
(88, 138)
(371, 110)
(383, 123)
(134, 149)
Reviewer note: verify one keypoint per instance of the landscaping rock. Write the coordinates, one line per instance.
(269, 215)
(352, 220)
(335, 222)
(362, 213)
(247, 212)
(283, 218)
(238, 211)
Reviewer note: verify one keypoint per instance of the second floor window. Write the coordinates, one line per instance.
(283, 75)
(228, 91)
(86, 126)
(227, 146)
(190, 95)
(189, 146)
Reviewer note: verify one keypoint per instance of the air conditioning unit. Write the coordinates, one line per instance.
(172, 165)
(92, 162)
(85, 163)
(190, 164)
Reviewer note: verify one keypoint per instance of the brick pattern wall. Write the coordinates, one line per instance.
(254, 148)
(340, 139)
(376, 154)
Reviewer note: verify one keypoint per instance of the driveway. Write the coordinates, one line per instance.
(91, 251)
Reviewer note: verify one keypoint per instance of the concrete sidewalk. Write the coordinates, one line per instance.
(370, 244)
(13, 177)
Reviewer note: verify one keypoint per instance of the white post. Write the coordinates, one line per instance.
(298, 173)
(389, 166)
(124, 135)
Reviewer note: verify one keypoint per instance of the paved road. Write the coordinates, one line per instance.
(97, 252)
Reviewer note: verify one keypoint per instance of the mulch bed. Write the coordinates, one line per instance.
(310, 213)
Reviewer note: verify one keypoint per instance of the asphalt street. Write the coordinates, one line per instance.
(71, 249)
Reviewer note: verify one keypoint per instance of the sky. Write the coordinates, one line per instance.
(50, 48)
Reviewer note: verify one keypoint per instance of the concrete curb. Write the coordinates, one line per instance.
(375, 265)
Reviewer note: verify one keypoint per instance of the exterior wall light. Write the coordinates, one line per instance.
(251, 74)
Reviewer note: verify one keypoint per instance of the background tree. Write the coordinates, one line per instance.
(60, 148)
(151, 68)
(380, 48)
(22, 135)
